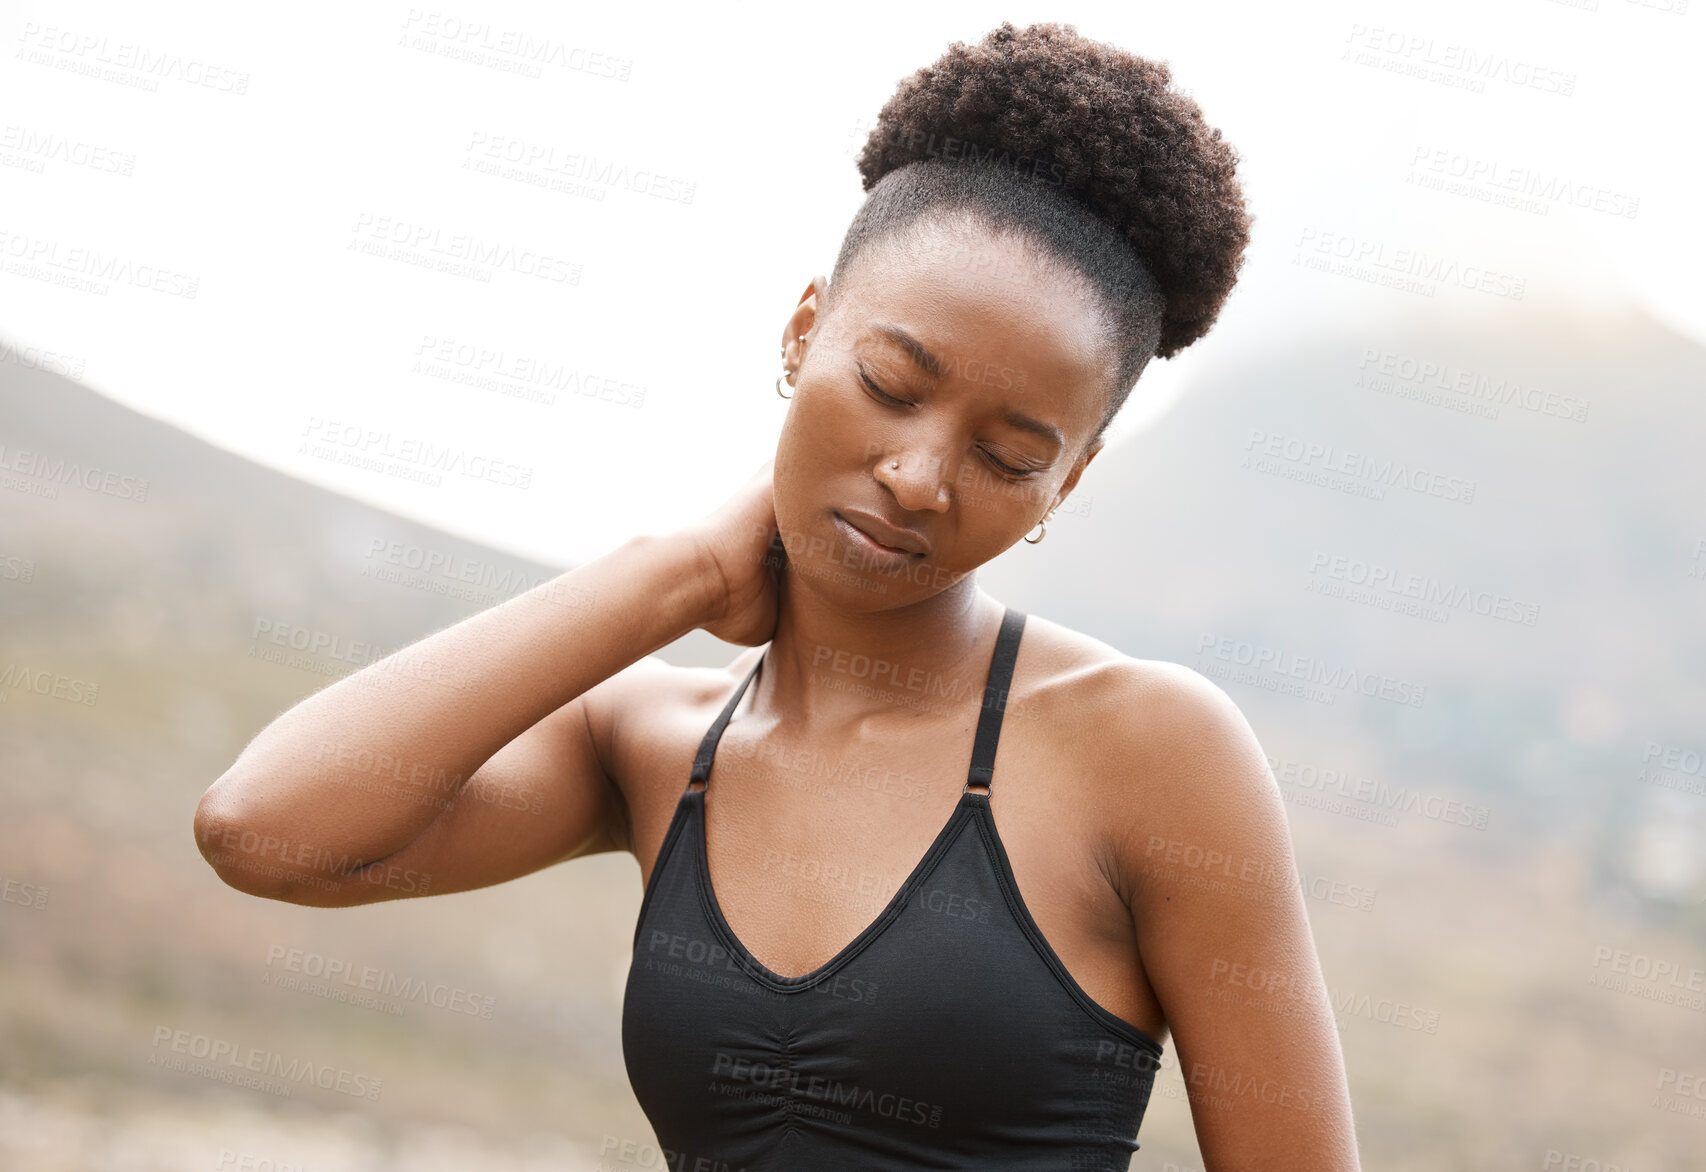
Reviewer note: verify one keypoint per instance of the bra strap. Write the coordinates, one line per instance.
(708, 745)
(995, 699)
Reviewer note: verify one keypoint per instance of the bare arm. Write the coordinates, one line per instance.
(1206, 855)
(472, 740)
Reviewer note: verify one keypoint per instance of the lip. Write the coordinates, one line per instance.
(891, 538)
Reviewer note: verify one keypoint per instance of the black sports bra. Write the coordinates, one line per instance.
(947, 1034)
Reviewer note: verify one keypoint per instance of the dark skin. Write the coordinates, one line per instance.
(1145, 832)
(1102, 758)
(942, 460)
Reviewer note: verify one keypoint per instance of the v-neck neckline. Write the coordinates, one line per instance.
(985, 740)
(932, 855)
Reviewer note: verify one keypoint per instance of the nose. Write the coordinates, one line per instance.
(918, 480)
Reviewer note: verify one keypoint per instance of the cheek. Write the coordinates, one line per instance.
(999, 503)
(829, 439)
(826, 431)
(816, 441)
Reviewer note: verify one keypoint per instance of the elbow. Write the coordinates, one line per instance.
(250, 853)
(231, 846)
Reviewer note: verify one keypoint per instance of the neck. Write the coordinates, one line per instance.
(828, 666)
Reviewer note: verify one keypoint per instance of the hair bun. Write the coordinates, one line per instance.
(1102, 125)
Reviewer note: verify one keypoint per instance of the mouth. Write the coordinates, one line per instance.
(878, 536)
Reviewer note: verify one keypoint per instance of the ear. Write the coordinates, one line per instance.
(1071, 481)
(804, 319)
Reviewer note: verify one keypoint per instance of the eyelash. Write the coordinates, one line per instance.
(1001, 469)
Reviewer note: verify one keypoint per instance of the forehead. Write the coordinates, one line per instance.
(984, 296)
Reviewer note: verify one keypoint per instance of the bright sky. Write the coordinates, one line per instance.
(260, 157)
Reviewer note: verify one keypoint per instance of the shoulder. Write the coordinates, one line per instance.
(1192, 833)
(644, 719)
(1165, 751)
(651, 703)
(653, 687)
(1153, 708)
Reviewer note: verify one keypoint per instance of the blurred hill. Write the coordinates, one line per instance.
(1589, 526)
(154, 601)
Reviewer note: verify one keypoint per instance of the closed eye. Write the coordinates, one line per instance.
(1001, 468)
(879, 392)
(1009, 470)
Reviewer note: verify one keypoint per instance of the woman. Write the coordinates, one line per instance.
(963, 871)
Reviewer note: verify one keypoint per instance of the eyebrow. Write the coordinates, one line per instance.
(932, 365)
(936, 368)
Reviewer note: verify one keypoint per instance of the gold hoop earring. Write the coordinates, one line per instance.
(1043, 525)
(779, 385)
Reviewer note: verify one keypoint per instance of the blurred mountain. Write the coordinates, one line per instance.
(1201, 540)
(1543, 470)
(1581, 437)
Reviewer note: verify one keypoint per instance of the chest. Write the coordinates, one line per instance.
(807, 843)
(942, 1028)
